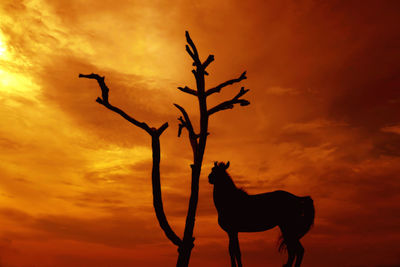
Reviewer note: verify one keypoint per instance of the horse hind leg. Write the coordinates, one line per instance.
(291, 254)
(299, 254)
(295, 252)
(289, 242)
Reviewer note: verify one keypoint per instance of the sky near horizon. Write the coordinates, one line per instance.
(324, 121)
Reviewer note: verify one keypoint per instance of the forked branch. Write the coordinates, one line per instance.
(185, 123)
(218, 88)
(155, 142)
(192, 50)
(230, 103)
(104, 101)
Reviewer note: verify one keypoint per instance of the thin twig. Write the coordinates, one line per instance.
(104, 101)
(186, 123)
(188, 90)
(193, 53)
(218, 88)
(230, 103)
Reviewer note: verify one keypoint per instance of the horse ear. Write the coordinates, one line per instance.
(227, 165)
(215, 163)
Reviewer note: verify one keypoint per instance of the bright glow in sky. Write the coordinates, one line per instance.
(3, 49)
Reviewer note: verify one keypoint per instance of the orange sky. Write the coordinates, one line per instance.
(75, 186)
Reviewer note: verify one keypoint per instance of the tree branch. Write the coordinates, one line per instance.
(208, 61)
(193, 53)
(155, 145)
(230, 103)
(218, 88)
(104, 101)
(188, 90)
(186, 123)
(162, 128)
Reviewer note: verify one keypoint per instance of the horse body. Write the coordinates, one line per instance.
(241, 212)
(255, 213)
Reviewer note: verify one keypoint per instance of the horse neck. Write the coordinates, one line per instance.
(226, 193)
(226, 184)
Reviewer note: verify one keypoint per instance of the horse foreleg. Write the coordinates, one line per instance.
(237, 250)
(232, 249)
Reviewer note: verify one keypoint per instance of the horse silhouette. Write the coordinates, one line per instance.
(241, 212)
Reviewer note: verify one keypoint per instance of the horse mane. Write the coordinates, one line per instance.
(239, 189)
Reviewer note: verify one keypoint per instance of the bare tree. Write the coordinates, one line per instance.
(197, 141)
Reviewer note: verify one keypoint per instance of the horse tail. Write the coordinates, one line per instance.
(281, 244)
(307, 221)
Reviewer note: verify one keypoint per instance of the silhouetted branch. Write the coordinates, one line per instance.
(208, 61)
(230, 103)
(188, 90)
(193, 53)
(218, 88)
(162, 128)
(185, 123)
(104, 102)
(155, 143)
(100, 80)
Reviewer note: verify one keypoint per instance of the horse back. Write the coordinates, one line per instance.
(277, 198)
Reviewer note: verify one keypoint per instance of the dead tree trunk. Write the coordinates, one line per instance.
(197, 141)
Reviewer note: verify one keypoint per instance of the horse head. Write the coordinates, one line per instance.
(218, 171)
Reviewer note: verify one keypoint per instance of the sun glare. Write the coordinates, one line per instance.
(17, 84)
(12, 81)
(3, 47)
